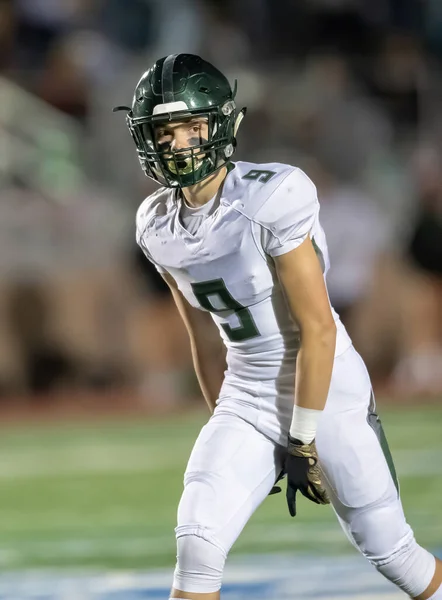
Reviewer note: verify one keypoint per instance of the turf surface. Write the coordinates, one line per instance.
(74, 495)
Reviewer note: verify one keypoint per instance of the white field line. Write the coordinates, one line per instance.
(280, 534)
(112, 459)
(160, 545)
(287, 575)
(324, 536)
(90, 459)
(61, 518)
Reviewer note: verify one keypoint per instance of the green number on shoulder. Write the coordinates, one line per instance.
(259, 175)
(204, 290)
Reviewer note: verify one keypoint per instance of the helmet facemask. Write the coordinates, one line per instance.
(185, 166)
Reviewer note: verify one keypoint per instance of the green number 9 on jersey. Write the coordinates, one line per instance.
(216, 287)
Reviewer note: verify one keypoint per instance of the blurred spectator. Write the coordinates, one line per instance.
(426, 241)
(419, 369)
(40, 24)
(218, 25)
(363, 272)
(62, 82)
(161, 353)
(357, 238)
(7, 33)
(337, 122)
(398, 74)
(341, 26)
(127, 24)
(433, 25)
(178, 24)
(46, 366)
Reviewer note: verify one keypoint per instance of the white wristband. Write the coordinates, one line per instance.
(304, 424)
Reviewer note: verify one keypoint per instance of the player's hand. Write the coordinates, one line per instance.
(276, 488)
(303, 474)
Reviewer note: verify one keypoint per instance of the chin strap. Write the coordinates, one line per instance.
(239, 118)
(230, 148)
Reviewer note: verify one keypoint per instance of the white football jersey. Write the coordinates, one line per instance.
(226, 267)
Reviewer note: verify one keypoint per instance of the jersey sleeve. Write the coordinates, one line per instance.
(140, 230)
(289, 214)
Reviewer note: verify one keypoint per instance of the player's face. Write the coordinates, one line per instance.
(185, 134)
(182, 136)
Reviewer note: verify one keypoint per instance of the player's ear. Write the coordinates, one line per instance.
(239, 118)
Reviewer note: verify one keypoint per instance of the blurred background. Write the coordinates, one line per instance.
(95, 369)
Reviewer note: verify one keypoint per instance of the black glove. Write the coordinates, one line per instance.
(276, 489)
(303, 474)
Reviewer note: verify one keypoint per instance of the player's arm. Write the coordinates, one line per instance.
(288, 218)
(208, 351)
(301, 276)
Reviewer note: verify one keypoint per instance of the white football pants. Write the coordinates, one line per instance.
(233, 466)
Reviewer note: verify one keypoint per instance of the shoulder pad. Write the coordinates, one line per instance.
(294, 201)
(155, 205)
(249, 185)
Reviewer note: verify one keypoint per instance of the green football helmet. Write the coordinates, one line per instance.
(177, 88)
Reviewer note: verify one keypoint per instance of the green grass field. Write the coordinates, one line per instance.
(74, 495)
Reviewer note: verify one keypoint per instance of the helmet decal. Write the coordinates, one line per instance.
(167, 78)
(169, 107)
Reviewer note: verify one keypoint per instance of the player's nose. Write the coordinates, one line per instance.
(179, 142)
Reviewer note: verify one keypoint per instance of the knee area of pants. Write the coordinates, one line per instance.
(378, 529)
(408, 565)
(200, 564)
(384, 538)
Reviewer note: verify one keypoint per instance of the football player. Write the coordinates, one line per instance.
(243, 243)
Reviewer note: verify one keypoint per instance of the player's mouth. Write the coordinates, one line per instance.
(183, 163)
